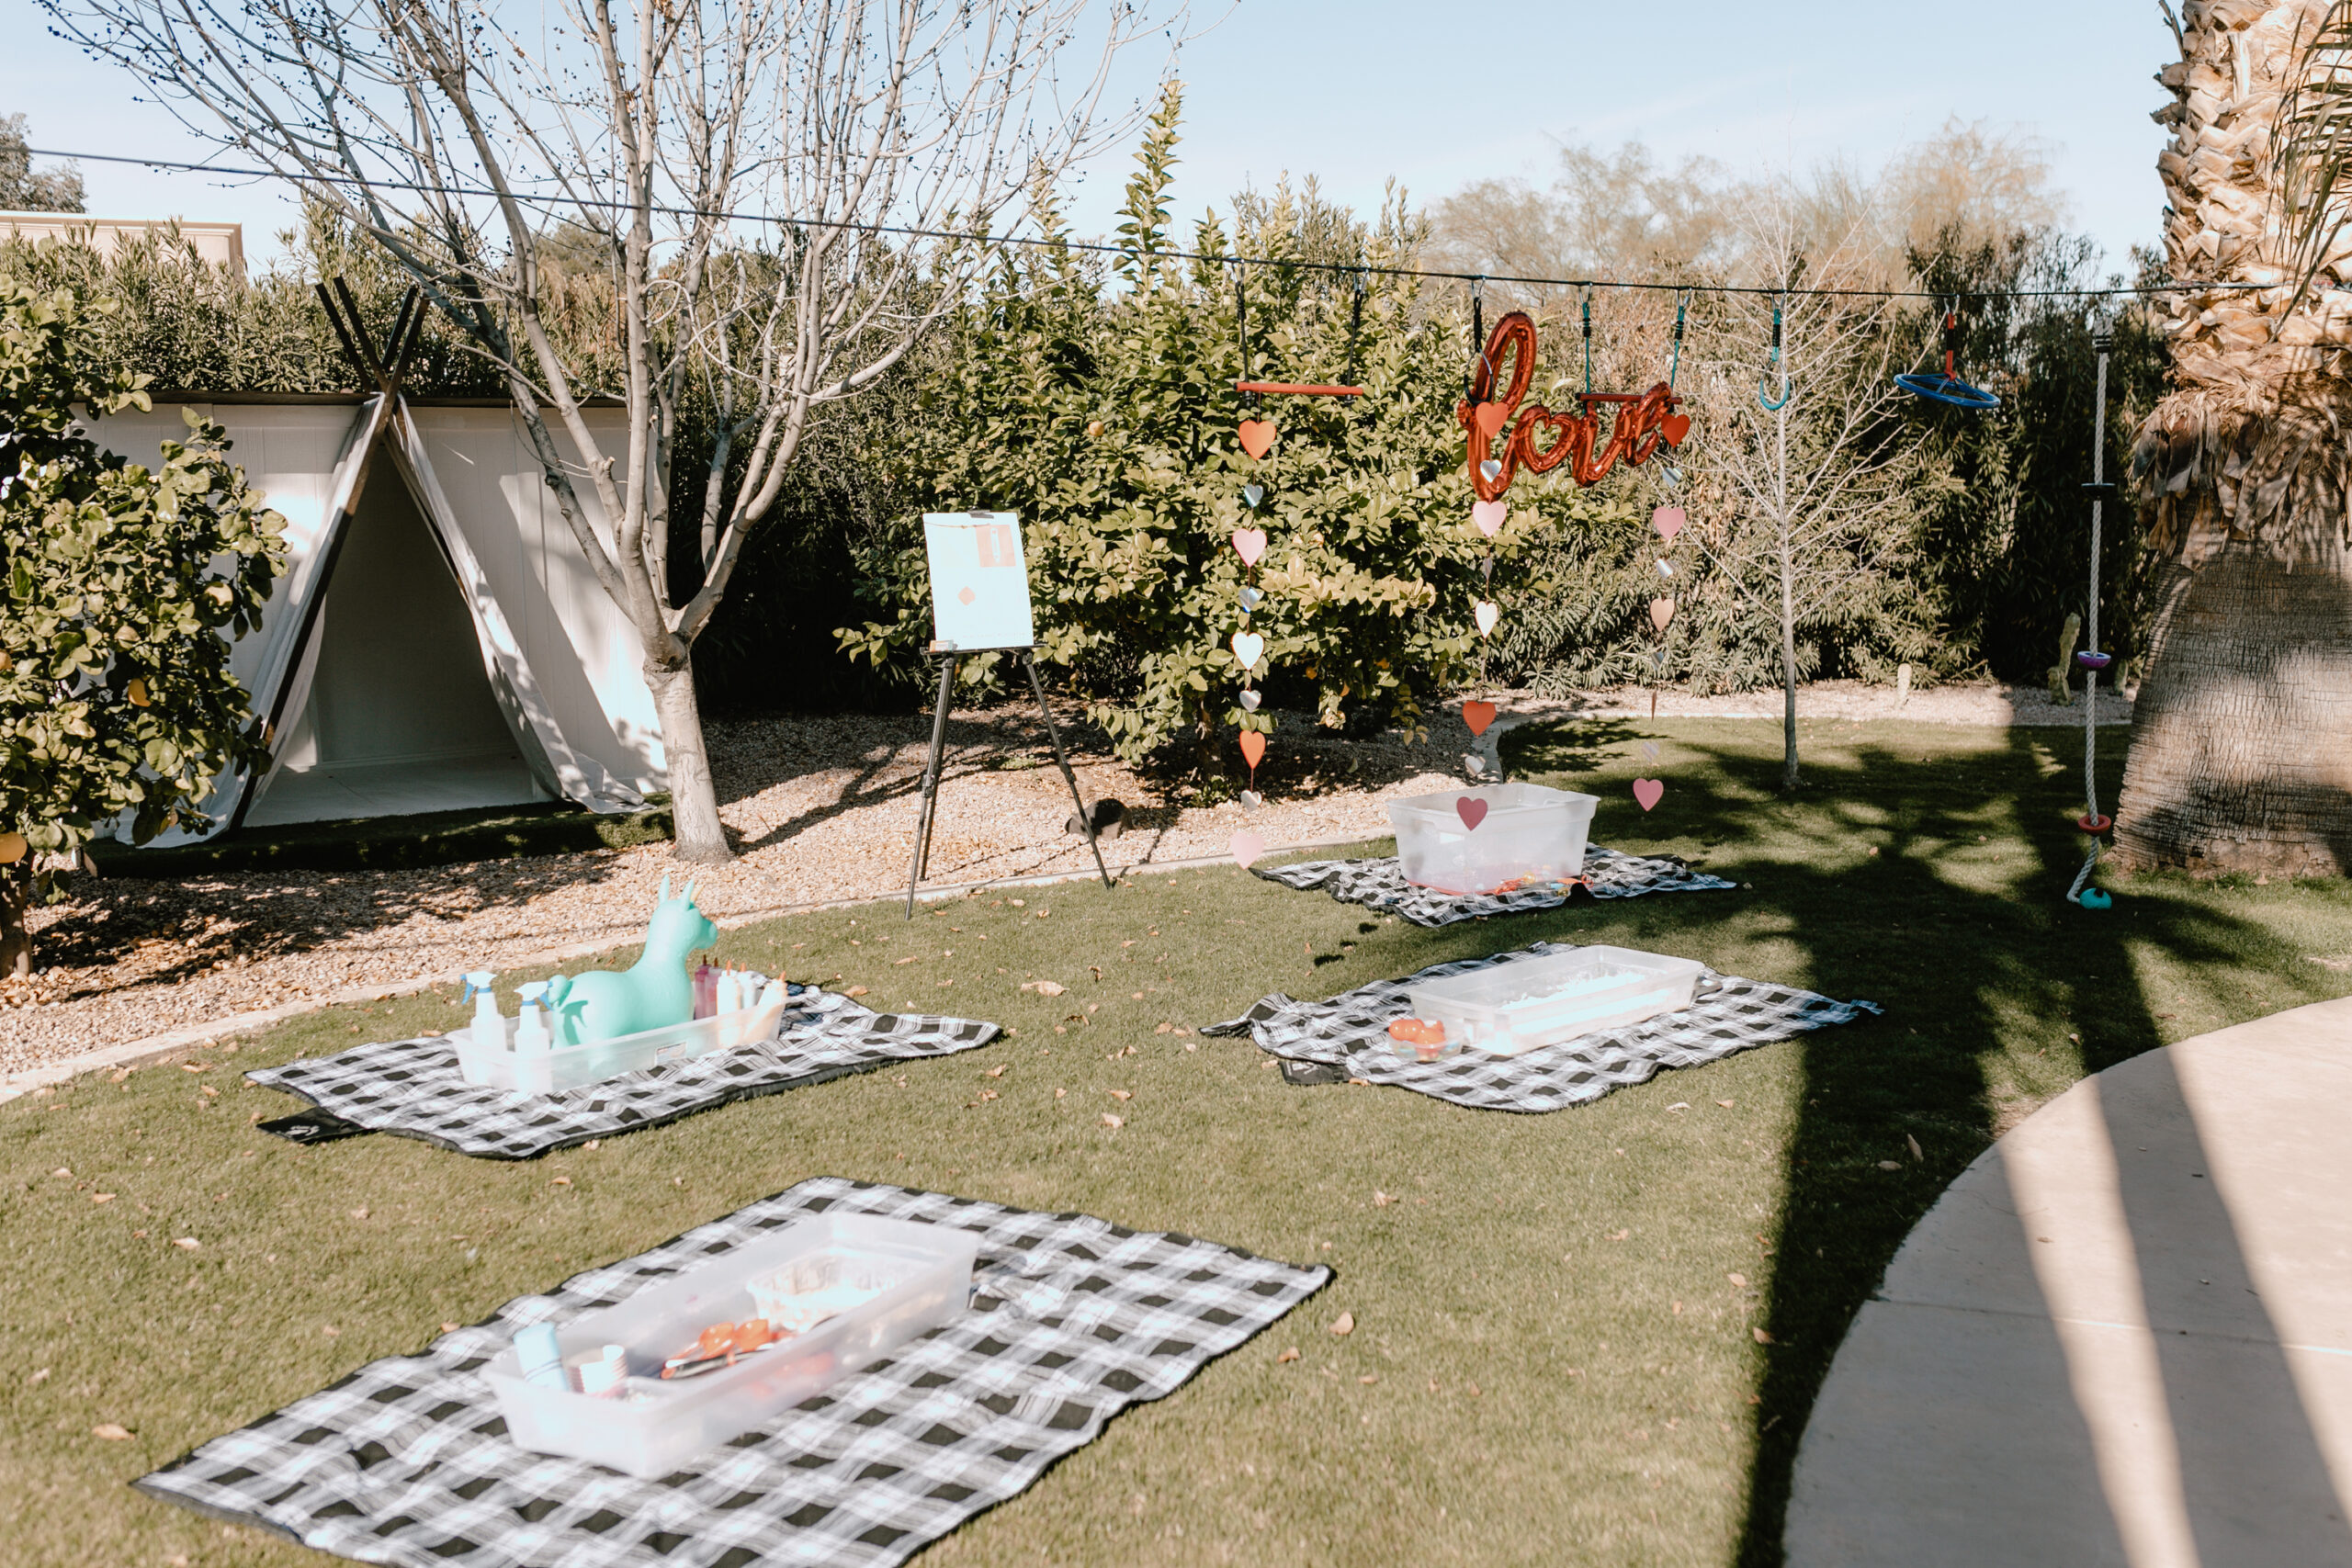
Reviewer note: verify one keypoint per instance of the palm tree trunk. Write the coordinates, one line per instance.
(2241, 752)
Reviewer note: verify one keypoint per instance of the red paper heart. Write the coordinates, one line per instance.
(1249, 543)
(1258, 436)
(1471, 809)
(1667, 521)
(1418, 1031)
(1253, 746)
(1674, 427)
(1649, 791)
(1477, 716)
(1491, 417)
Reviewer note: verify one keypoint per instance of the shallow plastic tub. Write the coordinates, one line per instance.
(1492, 838)
(573, 1067)
(652, 1425)
(1508, 1008)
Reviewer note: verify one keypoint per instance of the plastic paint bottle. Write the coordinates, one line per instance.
(489, 1028)
(706, 990)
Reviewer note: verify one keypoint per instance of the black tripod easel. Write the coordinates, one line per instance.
(947, 659)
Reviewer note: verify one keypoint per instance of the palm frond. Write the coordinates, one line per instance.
(2311, 147)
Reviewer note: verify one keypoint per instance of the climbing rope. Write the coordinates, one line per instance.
(2091, 660)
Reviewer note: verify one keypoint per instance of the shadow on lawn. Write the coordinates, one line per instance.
(1986, 989)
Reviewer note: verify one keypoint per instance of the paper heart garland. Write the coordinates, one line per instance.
(1249, 543)
(1674, 427)
(1477, 716)
(1487, 613)
(1247, 646)
(1491, 417)
(1471, 809)
(1489, 515)
(1246, 846)
(1667, 521)
(1662, 612)
(965, 595)
(1250, 700)
(1253, 747)
(1252, 494)
(1251, 800)
(1649, 791)
(1249, 597)
(1258, 436)
(1475, 762)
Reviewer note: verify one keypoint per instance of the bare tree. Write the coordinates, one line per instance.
(1807, 476)
(775, 186)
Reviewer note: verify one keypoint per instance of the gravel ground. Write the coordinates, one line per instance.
(820, 807)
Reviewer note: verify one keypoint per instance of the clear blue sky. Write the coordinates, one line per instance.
(1437, 94)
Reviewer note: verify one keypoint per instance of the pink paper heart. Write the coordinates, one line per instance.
(1662, 612)
(1489, 515)
(1667, 521)
(1471, 809)
(1649, 791)
(1246, 846)
(1249, 543)
(965, 595)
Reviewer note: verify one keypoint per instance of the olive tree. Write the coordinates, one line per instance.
(124, 585)
(776, 189)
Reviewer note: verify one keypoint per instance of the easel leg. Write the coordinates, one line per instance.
(930, 780)
(1085, 817)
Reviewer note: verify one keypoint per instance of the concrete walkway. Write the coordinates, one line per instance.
(2123, 1336)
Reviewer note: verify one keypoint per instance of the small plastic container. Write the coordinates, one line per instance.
(919, 1276)
(572, 1067)
(1508, 1008)
(1505, 836)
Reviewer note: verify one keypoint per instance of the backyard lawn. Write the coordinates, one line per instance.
(1585, 1336)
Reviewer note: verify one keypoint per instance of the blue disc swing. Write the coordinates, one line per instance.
(1948, 387)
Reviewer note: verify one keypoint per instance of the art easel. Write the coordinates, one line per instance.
(947, 658)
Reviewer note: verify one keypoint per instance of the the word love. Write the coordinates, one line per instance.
(1540, 440)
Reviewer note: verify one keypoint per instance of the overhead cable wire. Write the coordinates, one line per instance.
(1106, 248)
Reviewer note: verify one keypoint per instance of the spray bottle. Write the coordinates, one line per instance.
(489, 1028)
(531, 1037)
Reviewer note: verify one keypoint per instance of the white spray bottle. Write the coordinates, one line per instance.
(489, 1028)
(531, 1036)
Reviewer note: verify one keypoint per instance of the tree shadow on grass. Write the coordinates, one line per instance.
(1998, 993)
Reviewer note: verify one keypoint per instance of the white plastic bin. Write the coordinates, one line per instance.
(570, 1067)
(1526, 834)
(1512, 1008)
(652, 1425)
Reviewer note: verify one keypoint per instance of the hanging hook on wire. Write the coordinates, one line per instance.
(1587, 338)
(1478, 332)
(1772, 363)
(1681, 306)
(1241, 321)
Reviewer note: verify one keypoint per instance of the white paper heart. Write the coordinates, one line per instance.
(1250, 700)
(1489, 515)
(1474, 763)
(1252, 494)
(1249, 598)
(1487, 613)
(1247, 646)
(1251, 801)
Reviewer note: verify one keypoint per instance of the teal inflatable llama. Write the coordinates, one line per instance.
(656, 992)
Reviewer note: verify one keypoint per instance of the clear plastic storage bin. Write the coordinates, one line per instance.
(1512, 1008)
(570, 1067)
(919, 1276)
(1527, 834)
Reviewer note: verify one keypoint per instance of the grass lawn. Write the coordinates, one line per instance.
(1558, 1354)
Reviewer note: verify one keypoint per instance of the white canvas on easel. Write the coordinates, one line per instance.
(980, 581)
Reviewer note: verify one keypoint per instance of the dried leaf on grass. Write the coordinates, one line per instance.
(111, 1432)
(1345, 1324)
(1290, 1353)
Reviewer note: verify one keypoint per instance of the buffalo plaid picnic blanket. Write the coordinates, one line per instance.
(1380, 884)
(1347, 1037)
(413, 1087)
(1072, 1320)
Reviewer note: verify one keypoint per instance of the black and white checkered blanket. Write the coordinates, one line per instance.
(1073, 1320)
(1348, 1036)
(1380, 884)
(413, 1087)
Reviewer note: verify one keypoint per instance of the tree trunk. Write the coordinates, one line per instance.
(16, 899)
(2241, 751)
(697, 834)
